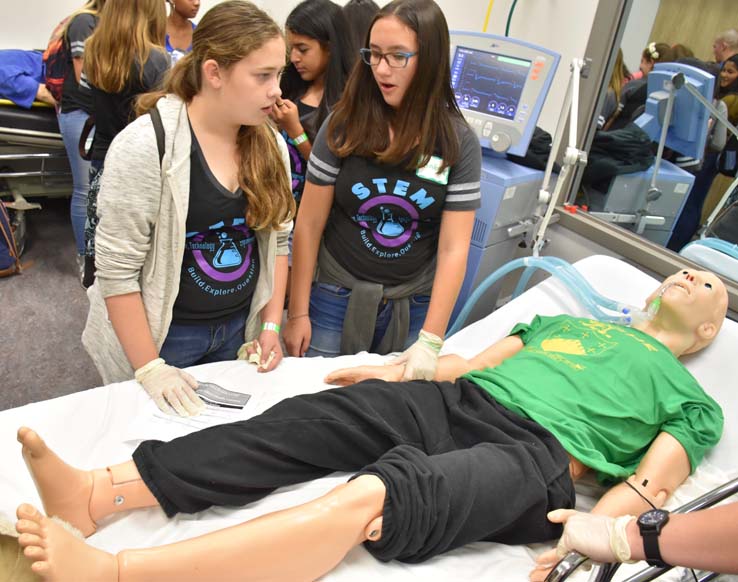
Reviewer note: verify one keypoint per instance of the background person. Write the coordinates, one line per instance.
(178, 41)
(321, 54)
(359, 16)
(22, 78)
(73, 113)
(116, 73)
(634, 94)
(688, 222)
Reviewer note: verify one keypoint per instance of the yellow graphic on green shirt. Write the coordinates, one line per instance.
(563, 346)
(578, 337)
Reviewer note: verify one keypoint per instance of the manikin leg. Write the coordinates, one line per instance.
(79, 497)
(293, 545)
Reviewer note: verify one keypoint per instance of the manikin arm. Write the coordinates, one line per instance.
(449, 367)
(664, 467)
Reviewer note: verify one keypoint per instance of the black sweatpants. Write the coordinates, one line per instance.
(458, 466)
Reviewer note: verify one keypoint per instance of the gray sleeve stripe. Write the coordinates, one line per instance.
(77, 44)
(320, 175)
(467, 186)
(463, 197)
(315, 161)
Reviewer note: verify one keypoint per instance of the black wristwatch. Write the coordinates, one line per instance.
(650, 525)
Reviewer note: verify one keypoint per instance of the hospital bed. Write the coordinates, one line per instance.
(104, 425)
(33, 161)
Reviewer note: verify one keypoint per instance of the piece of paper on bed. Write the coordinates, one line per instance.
(292, 376)
(158, 425)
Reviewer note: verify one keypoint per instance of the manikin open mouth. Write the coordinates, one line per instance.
(678, 284)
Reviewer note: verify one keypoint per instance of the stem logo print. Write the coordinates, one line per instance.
(395, 222)
(218, 256)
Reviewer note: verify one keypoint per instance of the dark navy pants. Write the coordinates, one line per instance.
(458, 467)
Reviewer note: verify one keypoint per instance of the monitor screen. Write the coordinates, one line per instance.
(487, 82)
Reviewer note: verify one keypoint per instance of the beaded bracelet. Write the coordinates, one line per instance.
(270, 326)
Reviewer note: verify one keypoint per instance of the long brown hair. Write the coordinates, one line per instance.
(424, 121)
(109, 62)
(617, 79)
(227, 33)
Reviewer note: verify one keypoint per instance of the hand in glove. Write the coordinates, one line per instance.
(170, 388)
(421, 358)
(265, 352)
(601, 538)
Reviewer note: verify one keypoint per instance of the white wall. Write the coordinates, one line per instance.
(638, 31)
(562, 25)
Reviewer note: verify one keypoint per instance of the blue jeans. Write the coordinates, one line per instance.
(688, 222)
(328, 305)
(189, 345)
(70, 125)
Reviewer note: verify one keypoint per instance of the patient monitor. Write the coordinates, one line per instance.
(648, 205)
(500, 85)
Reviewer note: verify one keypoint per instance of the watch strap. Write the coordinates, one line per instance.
(651, 548)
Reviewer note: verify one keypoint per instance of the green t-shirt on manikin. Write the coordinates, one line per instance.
(605, 391)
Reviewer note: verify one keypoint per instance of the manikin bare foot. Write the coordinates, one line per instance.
(65, 491)
(59, 556)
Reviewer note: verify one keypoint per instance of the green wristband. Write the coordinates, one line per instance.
(270, 326)
(302, 138)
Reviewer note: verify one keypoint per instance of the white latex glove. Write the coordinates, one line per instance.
(170, 388)
(421, 358)
(601, 538)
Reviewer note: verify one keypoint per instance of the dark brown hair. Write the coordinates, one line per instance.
(227, 33)
(424, 122)
(658, 52)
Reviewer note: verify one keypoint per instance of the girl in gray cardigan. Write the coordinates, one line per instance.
(192, 250)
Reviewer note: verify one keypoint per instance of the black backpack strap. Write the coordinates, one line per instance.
(159, 130)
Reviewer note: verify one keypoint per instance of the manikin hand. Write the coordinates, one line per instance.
(265, 352)
(599, 537)
(421, 358)
(170, 388)
(346, 376)
(285, 113)
(297, 333)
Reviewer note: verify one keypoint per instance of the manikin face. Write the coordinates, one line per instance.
(186, 8)
(248, 89)
(728, 74)
(388, 35)
(693, 301)
(308, 55)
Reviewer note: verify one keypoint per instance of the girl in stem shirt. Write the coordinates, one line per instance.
(388, 210)
(191, 251)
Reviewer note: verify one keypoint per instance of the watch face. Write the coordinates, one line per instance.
(653, 517)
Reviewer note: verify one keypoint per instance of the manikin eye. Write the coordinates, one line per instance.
(708, 285)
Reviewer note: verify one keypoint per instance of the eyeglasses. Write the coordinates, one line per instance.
(396, 60)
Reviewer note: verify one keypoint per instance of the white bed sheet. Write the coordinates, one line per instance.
(103, 426)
